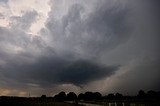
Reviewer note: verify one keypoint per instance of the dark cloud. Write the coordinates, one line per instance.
(108, 28)
(82, 72)
(102, 30)
(54, 70)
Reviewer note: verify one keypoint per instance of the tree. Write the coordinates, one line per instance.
(111, 96)
(92, 96)
(43, 96)
(141, 94)
(151, 94)
(97, 96)
(88, 96)
(118, 96)
(71, 96)
(61, 96)
(81, 96)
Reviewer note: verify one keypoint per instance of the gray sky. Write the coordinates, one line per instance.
(79, 45)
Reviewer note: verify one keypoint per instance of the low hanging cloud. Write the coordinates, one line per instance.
(56, 70)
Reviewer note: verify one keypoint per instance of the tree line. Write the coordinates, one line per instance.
(88, 96)
(96, 96)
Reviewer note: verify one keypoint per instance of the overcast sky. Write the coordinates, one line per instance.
(109, 46)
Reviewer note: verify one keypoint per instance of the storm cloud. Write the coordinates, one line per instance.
(64, 62)
(54, 70)
(91, 35)
(78, 44)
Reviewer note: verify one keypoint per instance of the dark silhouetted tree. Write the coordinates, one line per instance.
(92, 96)
(111, 96)
(97, 96)
(43, 96)
(152, 94)
(141, 94)
(88, 96)
(71, 96)
(61, 96)
(81, 96)
(118, 96)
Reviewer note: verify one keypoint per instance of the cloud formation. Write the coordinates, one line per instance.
(24, 22)
(101, 30)
(77, 43)
(54, 70)
(3, 0)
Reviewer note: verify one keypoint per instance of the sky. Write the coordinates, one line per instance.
(106, 46)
